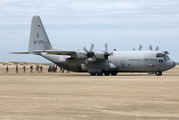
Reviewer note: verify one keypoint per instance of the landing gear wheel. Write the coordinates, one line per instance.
(92, 74)
(99, 74)
(158, 73)
(107, 74)
(113, 73)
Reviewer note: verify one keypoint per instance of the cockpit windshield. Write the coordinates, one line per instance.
(161, 55)
(166, 57)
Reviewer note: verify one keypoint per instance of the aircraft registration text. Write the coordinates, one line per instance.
(38, 42)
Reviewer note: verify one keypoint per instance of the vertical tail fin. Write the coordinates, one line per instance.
(38, 37)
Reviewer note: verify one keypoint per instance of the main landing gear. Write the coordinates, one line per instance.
(106, 74)
(98, 74)
(158, 73)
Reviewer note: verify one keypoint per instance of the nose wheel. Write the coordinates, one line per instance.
(158, 73)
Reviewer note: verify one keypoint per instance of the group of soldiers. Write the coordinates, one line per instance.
(53, 69)
(39, 69)
(31, 69)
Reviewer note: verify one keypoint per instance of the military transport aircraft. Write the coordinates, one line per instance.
(96, 62)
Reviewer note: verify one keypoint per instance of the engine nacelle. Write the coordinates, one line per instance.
(99, 55)
(79, 55)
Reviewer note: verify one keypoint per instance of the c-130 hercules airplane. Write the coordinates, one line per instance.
(96, 62)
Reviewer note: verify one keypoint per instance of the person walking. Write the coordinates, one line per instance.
(53, 68)
(24, 68)
(7, 69)
(41, 69)
(37, 68)
(61, 69)
(16, 68)
(31, 68)
(50, 69)
(56, 69)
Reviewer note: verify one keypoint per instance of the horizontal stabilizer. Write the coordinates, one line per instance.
(19, 52)
(56, 52)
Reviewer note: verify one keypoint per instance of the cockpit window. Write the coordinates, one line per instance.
(159, 55)
(166, 57)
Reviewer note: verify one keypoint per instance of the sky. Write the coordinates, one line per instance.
(73, 24)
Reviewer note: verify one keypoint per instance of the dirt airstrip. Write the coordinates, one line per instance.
(78, 96)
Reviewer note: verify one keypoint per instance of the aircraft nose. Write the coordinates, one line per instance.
(169, 64)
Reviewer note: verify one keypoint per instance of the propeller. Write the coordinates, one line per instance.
(106, 51)
(150, 47)
(90, 54)
(140, 47)
(157, 48)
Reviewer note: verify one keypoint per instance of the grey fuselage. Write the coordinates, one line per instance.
(121, 61)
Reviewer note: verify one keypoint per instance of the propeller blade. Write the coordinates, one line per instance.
(106, 47)
(94, 58)
(150, 47)
(157, 48)
(85, 49)
(92, 46)
(86, 61)
(140, 47)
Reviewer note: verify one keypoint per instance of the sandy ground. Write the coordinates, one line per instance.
(78, 96)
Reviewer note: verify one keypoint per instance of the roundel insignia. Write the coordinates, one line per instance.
(37, 35)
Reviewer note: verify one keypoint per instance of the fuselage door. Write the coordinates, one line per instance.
(161, 64)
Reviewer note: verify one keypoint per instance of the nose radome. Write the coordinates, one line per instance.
(174, 64)
(169, 64)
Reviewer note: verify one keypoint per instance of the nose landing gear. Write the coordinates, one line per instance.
(158, 73)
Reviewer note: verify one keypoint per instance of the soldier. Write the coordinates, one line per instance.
(49, 69)
(7, 69)
(37, 68)
(16, 68)
(56, 69)
(53, 67)
(31, 68)
(41, 69)
(24, 68)
(61, 69)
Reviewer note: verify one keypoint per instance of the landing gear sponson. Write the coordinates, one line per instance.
(106, 74)
(159, 73)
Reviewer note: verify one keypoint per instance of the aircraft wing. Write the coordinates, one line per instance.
(56, 52)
